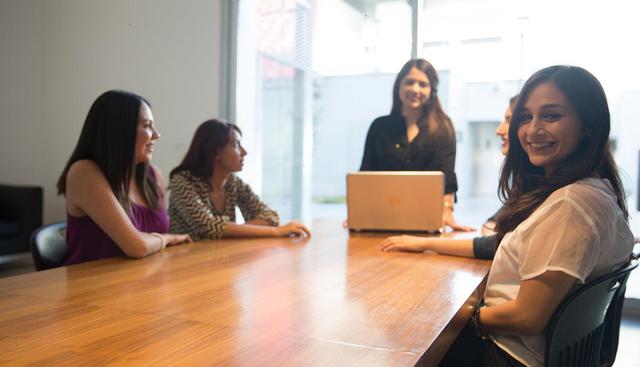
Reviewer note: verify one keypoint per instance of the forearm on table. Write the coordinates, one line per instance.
(259, 222)
(142, 244)
(450, 246)
(249, 230)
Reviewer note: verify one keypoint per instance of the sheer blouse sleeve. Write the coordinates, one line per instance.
(562, 238)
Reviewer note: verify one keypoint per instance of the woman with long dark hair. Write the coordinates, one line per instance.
(564, 219)
(417, 135)
(114, 196)
(205, 191)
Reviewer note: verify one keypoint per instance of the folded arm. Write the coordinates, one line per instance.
(532, 309)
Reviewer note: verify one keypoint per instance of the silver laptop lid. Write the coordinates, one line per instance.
(395, 201)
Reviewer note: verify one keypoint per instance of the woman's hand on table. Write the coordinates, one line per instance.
(293, 228)
(403, 243)
(177, 239)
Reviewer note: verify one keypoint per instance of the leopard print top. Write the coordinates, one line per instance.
(192, 211)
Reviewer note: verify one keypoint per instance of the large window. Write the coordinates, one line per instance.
(312, 75)
(274, 87)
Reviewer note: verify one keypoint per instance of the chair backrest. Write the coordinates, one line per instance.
(48, 245)
(20, 210)
(584, 329)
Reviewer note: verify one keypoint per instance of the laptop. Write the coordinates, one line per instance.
(390, 201)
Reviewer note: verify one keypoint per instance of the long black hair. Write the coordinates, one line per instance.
(210, 137)
(523, 187)
(433, 117)
(108, 138)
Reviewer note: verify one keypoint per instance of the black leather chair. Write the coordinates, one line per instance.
(584, 329)
(48, 244)
(20, 215)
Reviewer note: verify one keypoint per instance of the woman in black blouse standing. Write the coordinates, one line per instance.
(417, 135)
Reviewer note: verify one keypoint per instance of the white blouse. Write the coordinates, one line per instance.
(578, 230)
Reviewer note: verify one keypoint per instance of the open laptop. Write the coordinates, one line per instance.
(395, 201)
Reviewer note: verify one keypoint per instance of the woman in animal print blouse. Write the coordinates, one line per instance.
(205, 191)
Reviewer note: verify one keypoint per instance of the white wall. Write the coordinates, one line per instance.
(21, 74)
(58, 56)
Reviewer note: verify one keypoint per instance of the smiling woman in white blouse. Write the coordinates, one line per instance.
(564, 219)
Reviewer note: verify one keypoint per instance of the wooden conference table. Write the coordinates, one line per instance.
(334, 300)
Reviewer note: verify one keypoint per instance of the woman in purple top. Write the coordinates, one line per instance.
(115, 201)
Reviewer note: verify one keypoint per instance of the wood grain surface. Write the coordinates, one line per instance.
(331, 300)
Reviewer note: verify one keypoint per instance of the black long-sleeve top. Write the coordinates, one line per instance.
(388, 149)
(485, 247)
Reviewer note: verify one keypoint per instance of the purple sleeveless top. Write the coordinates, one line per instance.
(86, 241)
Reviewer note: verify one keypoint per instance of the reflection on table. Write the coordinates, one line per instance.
(332, 300)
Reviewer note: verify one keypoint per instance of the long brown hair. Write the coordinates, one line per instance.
(108, 138)
(210, 137)
(523, 187)
(433, 117)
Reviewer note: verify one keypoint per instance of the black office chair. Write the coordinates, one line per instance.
(584, 329)
(20, 215)
(48, 245)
